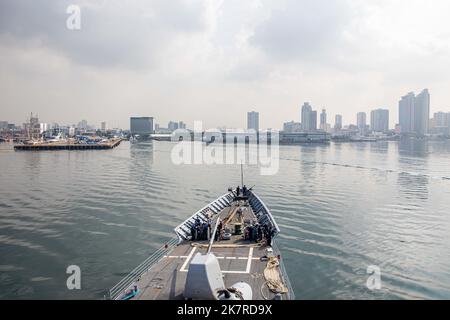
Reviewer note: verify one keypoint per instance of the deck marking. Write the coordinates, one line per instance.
(183, 267)
(231, 271)
(238, 258)
(249, 261)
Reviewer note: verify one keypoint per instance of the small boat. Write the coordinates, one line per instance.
(224, 251)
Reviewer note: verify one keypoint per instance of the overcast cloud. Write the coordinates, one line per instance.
(215, 60)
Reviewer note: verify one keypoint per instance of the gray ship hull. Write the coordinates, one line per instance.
(163, 275)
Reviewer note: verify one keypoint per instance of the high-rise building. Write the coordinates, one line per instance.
(406, 113)
(103, 126)
(323, 119)
(379, 120)
(181, 125)
(141, 125)
(338, 122)
(306, 117)
(361, 122)
(253, 120)
(172, 125)
(440, 124)
(441, 119)
(313, 121)
(422, 112)
(83, 125)
(414, 113)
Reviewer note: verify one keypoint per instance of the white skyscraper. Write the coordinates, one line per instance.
(379, 120)
(338, 122)
(323, 120)
(441, 119)
(406, 113)
(313, 121)
(422, 112)
(253, 120)
(306, 116)
(414, 113)
(361, 122)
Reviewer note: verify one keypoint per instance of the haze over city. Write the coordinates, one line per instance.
(215, 60)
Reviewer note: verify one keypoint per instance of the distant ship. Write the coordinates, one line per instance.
(363, 139)
(225, 251)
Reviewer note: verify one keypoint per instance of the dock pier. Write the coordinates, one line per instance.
(68, 146)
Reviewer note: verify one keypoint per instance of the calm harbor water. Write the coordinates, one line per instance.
(341, 208)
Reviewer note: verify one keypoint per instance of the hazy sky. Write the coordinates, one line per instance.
(216, 60)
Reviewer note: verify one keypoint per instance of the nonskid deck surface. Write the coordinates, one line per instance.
(239, 260)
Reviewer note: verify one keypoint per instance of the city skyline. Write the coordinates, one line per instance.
(408, 106)
(318, 121)
(210, 60)
(414, 115)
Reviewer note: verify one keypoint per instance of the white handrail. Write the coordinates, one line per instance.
(123, 285)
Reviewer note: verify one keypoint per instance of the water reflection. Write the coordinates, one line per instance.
(337, 213)
(379, 147)
(140, 165)
(413, 160)
(142, 152)
(413, 147)
(361, 146)
(33, 163)
(308, 163)
(413, 187)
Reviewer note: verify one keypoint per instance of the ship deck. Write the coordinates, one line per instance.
(239, 259)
